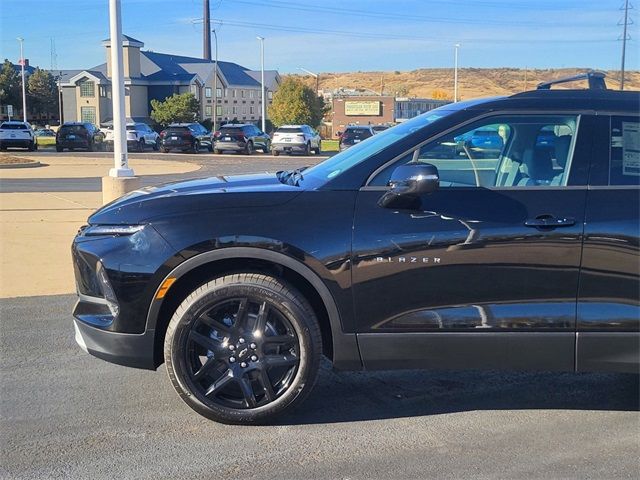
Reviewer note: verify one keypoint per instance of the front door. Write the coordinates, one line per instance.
(484, 271)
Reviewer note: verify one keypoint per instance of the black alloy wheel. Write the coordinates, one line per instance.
(307, 150)
(141, 145)
(243, 348)
(249, 148)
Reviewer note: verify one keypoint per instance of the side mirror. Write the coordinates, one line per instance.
(408, 182)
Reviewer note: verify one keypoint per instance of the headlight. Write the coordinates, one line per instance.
(114, 230)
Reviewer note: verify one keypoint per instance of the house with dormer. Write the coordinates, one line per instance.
(86, 94)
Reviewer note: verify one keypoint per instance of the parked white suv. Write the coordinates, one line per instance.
(296, 138)
(17, 134)
(139, 136)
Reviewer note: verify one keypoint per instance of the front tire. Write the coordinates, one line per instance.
(243, 348)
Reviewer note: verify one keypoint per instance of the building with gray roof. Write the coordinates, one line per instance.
(86, 94)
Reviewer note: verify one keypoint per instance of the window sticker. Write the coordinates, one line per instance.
(631, 148)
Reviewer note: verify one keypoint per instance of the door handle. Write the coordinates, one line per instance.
(549, 222)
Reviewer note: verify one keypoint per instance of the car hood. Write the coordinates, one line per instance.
(223, 192)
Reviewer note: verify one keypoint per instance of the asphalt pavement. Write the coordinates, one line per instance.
(65, 414)
(210, 165)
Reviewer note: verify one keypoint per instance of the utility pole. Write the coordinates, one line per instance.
(264, 96)
(24, 91)
(121, 178)
(455, 73)
(215, 84)
(625, 37)
(206, 31)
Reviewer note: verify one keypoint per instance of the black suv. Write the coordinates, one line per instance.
(188, 137)
(353, 135)
(83, 135)
(241, 138)
(414, 249)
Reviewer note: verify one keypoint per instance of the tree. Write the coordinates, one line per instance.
(297, 104)
(176, 108)
(10, 85)
(43, 93)
(439, 94)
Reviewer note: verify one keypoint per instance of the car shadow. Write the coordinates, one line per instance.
(361, 396)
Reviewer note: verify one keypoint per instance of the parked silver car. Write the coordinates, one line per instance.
(296, 139)
(139, 137)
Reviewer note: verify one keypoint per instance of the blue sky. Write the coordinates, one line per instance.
(334, 35)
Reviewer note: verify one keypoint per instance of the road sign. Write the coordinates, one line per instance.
(10, 111)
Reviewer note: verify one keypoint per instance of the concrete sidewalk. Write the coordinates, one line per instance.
(36, 229)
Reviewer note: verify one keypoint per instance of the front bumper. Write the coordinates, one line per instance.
(289, 147)
(128, 349)
(116, 280)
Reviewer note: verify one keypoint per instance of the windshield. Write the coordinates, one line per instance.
(347, 159)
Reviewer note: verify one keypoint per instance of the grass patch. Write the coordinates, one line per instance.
(10, 159)
(329, 145)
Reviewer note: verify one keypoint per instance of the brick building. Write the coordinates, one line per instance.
(361, 110)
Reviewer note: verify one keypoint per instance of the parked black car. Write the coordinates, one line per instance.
(244, 138)
(79, 135)
(383, 256)
(353, 135)
(188, 137)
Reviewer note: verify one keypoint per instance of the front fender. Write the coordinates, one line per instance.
(346, 354)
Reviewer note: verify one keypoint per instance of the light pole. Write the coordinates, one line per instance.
(60, 99)
(455, 73)
(215, 84)
(264, 99)
(315, 75)
(121, 178)
(24, 91)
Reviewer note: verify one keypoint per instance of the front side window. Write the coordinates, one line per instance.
(624, 151)
(87, 88)
(503, 151)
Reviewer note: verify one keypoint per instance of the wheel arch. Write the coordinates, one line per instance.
(339, 346)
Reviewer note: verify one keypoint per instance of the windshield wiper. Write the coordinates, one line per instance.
(291, 177)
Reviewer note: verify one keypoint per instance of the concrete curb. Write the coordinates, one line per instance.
(21, 165)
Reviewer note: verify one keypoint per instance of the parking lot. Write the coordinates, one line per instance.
(66, 414)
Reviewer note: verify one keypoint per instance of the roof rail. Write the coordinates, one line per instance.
(595, 79)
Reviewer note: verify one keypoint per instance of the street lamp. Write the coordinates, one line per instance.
(264, 100)
(215, 84)
(455, 74)
(315, 75)
(121, 178)
(24, 92)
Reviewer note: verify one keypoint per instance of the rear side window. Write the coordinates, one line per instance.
(624, 151)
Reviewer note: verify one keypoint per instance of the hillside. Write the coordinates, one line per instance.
(473, 82)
